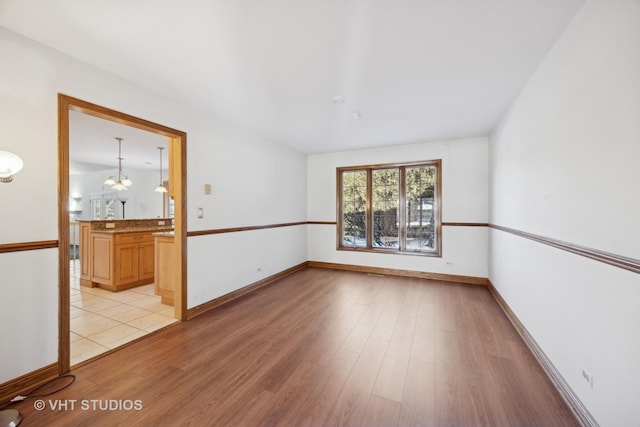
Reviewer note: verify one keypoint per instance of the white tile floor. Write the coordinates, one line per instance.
(102, 320)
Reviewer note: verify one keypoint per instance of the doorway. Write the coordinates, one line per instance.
(177, 167)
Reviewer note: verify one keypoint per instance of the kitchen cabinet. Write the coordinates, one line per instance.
(119, 254)
(121, 260)
(85, 253)
(165, 272)
(105, 206)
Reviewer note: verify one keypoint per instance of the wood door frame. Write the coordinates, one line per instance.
(177, 139)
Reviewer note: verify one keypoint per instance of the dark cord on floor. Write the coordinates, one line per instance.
(32, 394)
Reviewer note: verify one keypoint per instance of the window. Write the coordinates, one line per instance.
(390, 208)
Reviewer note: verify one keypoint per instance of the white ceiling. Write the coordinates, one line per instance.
(416, 70)
(93, 145)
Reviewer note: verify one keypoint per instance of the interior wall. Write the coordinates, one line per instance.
(266, 252)
(141, 200)
(218, 152)
(464, 199)
(564, 165)
(28, 310)
(252, 184)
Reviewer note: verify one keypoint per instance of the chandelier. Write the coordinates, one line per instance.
(123, 181)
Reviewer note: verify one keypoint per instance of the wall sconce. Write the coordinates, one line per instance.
(10, 164)
(75, 204)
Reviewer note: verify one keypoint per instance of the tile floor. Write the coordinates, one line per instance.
(102, 320)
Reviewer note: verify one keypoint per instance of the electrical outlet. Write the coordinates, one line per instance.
(110, 225)
(200, 213)
(160, 222)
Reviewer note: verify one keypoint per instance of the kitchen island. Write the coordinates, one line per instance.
(119, 254)
(165, 272)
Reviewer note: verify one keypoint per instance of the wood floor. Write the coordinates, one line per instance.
(323, 348)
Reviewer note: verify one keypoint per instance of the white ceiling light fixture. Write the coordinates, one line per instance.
(121, 184)
(161, 188)
(10, 164)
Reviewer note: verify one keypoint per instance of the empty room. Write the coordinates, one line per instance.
(320, 212)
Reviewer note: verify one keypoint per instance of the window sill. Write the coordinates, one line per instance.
(433, 254)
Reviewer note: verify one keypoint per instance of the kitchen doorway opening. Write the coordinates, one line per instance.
(108, 306)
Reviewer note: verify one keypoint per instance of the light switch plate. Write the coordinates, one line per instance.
(200, 213)
(207, 189)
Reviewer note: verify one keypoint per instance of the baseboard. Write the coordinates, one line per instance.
(577, 407)
(27, 382)
(209, 305)
(202, 308)
(14, 387)
(403, 273)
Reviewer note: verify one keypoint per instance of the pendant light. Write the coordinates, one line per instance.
(161, 188)
(123, 181)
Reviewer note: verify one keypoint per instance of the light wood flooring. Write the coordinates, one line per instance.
(325, 348)
(102, 320)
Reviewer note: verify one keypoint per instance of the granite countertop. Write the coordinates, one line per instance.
(164, 234)
(159, 229)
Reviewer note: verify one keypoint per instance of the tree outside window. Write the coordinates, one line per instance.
(392, 208)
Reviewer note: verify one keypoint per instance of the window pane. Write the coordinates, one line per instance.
(385, 207)
(381, 222)
(354, 192)
(420, 184)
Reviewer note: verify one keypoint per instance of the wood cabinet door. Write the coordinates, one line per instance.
(145, 260)
(85, 251)
(164, 280)
(126, 263)
(102, 261)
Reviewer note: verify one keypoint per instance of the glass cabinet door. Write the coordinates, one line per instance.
(104, 206)
(96, 207)
(109, 207)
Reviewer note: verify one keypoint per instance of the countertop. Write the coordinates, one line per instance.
(164, 234)
(135, 230)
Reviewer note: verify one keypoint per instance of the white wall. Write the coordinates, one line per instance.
(28, 311)
(252, 183)
(264, 253)
(464, 199)
(564, 164)
(218, 153)
(141, 200)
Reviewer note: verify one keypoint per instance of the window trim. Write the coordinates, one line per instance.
(437, 200)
